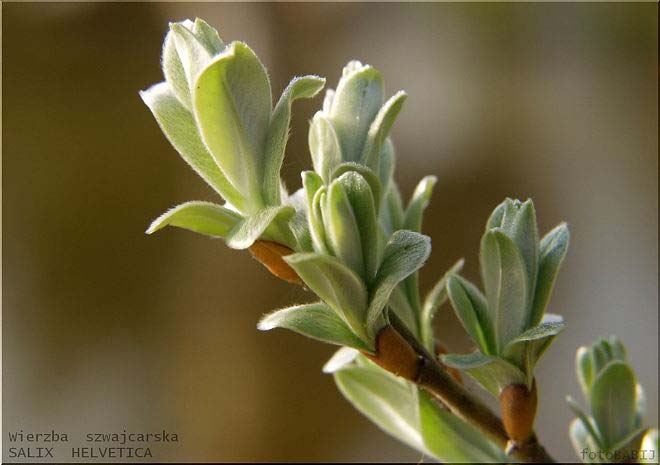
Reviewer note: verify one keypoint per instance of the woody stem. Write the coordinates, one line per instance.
(398, 351)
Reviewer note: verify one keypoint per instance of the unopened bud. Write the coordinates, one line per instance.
(395, 355)
(518, 405)
(270, 254)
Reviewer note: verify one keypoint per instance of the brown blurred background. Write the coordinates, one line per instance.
(106, 328)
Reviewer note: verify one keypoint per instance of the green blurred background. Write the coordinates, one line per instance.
(105, 328)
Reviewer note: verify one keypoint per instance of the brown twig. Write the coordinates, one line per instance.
(398, 352)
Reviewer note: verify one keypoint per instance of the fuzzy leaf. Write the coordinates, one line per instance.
(552, 251)
(201, 217)
(208, 36)
(278, 132)
(342, 228)
(405, 253)
(232, 105)
(584, 369)
(390, 402)
(613, 399)
(496, 217)
(523, 231)
(450, 439)
(387, 162)
(400, 305)
(336, 284)
(379, 130)
(255, 226)
(586, 421)
(194, 43)
(317, 321)
(493, 373)
(528, 348)
(505, 279)
(359, 196)
(324, 146)
(542, 331)
(366, 173)
(355, 104)
(582, 441)
(391, 218)
(471, 309)
(179, 127)
(418, 203)
(175, 75)
(434, 300)
(193, 53)
(340, 359)
(316, 222)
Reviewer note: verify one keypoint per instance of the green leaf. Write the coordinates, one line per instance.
(612, 399)
(324, 146)
(434, 300)
(201, 217)
(361, 199)
(526, 349)
(583, 443)
(175, 75)
(317, 321)
(418, 203)
(316, 222)
(342, 228)
(389, 402)
(400, 305)
(193, 53)
(278, 132)
(470, 307)
(366, 173)
(387, 162)
(542, 331)
(391, 217)
(495, 219)
(232, 105)
(179, 127)
(380, 129)
(505, 279)
(336, 284)
(552, 251)
(340, 359)
(450, 439)
(188, 47)
(493, 373)
(255, 226)
(584, 369)
(405, 253)
(355, 104)
(208, 36)
(523, 230)
(586, 422)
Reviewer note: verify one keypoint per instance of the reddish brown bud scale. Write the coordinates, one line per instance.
(395, 355)
(518, 405)
(270, 254)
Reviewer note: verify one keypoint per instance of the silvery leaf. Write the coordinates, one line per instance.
(317, 321)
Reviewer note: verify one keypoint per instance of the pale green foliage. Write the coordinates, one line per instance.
(407, 413)
(612, 423)
(508, 324)
(216, 109)
(357, 246)
(317, 321)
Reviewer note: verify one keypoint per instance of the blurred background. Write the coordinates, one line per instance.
(106, 328)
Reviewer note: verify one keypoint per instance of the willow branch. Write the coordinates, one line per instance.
(398, 352)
